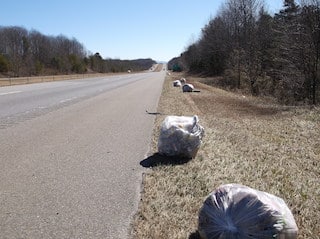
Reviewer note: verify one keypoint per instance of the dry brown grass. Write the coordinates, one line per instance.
(249, 141)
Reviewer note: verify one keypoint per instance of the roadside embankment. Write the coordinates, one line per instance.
(248, 140)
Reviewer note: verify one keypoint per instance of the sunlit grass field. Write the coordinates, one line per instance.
(250, 141)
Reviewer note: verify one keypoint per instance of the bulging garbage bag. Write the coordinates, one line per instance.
(177, 83)
(187, 88)
(235, 211)
(180, 136)
(183, 81)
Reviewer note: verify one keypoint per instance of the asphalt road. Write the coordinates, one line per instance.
(70, 154)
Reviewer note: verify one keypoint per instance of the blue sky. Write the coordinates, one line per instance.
(119, 28)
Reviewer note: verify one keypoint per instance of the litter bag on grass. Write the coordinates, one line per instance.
(187, 88)
(180, 136)
(234, 211)
(177, 83)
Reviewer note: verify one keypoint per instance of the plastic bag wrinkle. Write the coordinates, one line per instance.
(180, 136)
(235, 211)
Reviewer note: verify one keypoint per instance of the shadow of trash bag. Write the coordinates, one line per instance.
(158, 159)
(180, 136)
(236, 211)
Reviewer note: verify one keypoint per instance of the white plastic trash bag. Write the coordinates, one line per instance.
(183, 81)
(176, 83)
(234, 211)
(187, 88)
(180, 136)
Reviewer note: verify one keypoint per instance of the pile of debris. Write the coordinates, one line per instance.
(186, 87)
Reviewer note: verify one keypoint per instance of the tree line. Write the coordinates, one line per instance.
(31, 53)
(275, 55)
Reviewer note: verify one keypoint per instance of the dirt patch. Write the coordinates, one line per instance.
(248, 140)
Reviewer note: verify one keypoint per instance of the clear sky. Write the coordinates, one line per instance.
(124, 29)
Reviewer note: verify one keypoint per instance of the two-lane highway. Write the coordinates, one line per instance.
(70, 154)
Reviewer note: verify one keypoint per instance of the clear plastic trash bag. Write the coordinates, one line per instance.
(234, 211)
(180, 136)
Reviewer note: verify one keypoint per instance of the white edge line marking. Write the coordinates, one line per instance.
(11, 92)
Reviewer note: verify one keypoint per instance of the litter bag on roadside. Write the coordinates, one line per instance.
(180, 136)
(177, 83)
(234, 211)
(187, 88)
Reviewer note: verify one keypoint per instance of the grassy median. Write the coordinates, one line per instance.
(250, 141)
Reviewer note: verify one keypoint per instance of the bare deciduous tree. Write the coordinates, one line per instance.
(275, 55)
(14, 45)
(311, 45)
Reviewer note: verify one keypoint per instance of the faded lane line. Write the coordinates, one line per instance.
(66, 100)
(11, 92)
